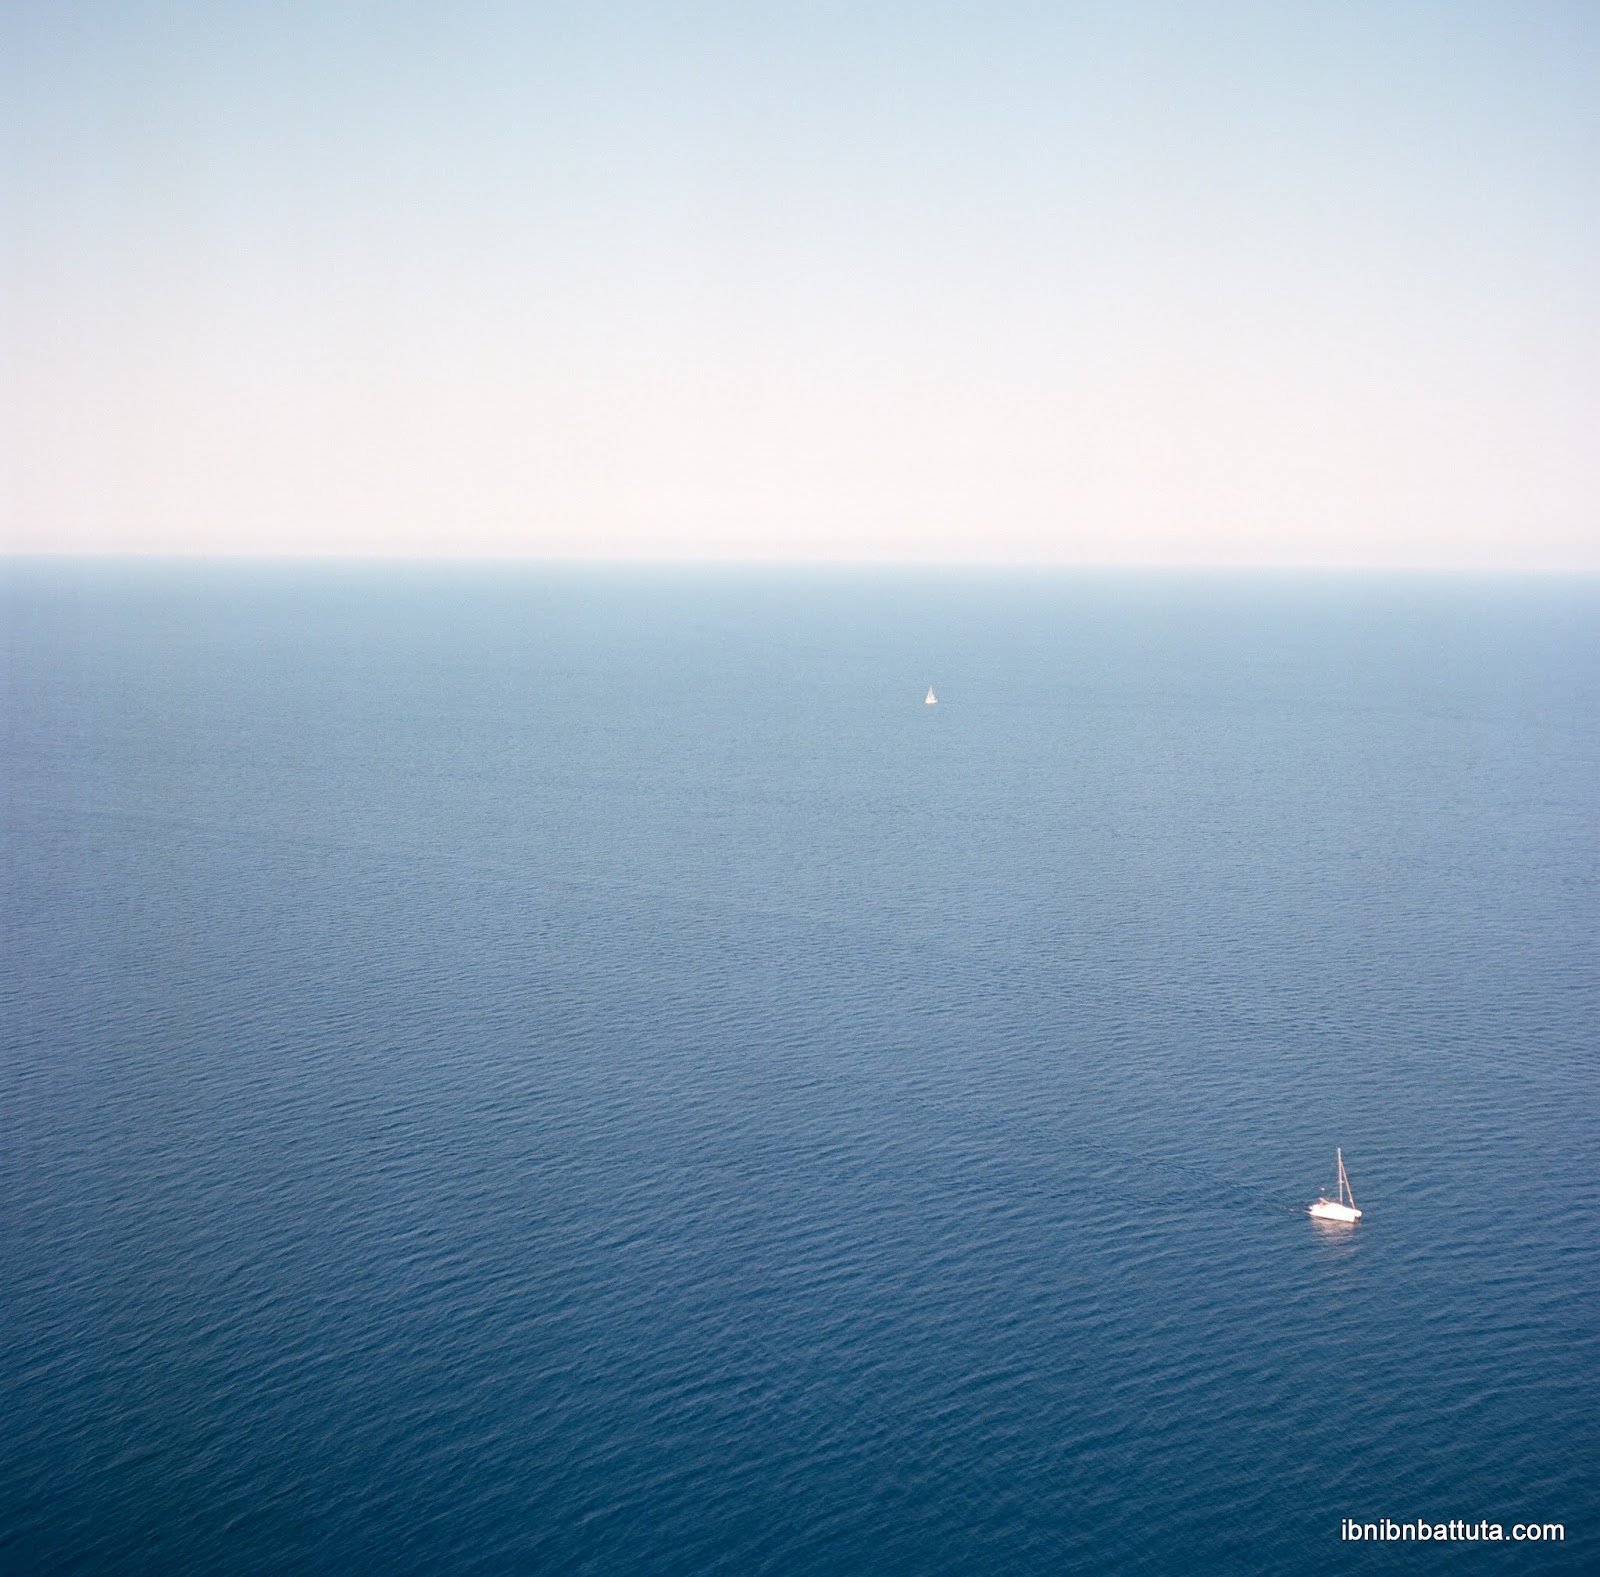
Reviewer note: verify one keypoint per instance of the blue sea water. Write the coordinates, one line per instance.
(583, 1071)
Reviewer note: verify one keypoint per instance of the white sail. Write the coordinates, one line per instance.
(930, 699)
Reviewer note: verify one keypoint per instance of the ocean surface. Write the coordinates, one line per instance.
(582, 1071)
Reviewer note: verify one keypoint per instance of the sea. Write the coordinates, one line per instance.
(580, 1069)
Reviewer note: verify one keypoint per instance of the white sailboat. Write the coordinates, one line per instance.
(930, 699)
(1342, 1208)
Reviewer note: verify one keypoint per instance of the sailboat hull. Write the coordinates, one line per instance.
(1332, 1210)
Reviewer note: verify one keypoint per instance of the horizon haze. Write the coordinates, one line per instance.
(1095, 285)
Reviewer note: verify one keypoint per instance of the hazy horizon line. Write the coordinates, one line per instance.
(731, 562)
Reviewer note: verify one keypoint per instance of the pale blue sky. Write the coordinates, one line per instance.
(1196, 283)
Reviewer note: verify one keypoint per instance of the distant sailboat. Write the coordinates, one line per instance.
(930, 699)
(1344, 1207)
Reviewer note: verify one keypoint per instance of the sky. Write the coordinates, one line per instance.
(1293, 284)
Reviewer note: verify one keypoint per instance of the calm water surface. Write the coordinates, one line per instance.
(584, 1072)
